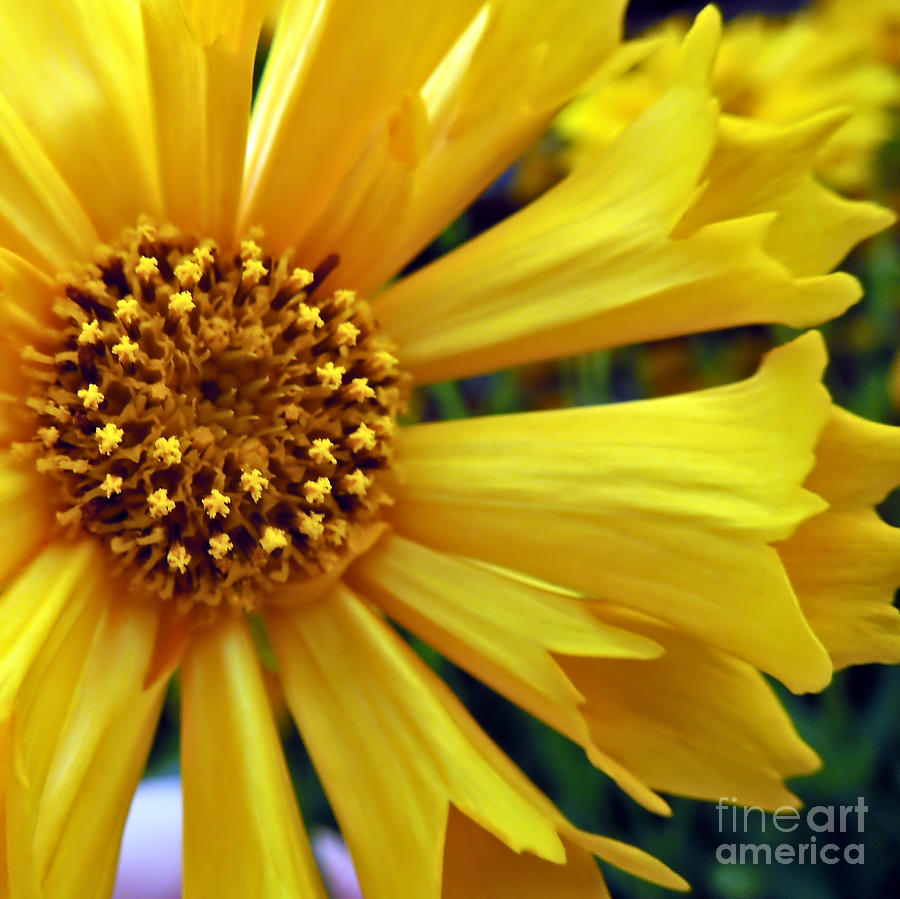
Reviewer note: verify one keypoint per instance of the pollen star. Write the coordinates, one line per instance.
(127, 310)
(216, 504)
(254, 483)
(330, 375)
(91, 333)
(272, 539)
(111, 484)
(178, 558)
(363, 438)
(320, 451)
(91, 397)
(160, 504)
(108, 437)
(316, 491)
(125, 350)
(219, 546)
(181, 303)
(356, 482)
(167, 450)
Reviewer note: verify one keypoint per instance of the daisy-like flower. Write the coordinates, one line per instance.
(613, 570)
(773, 71)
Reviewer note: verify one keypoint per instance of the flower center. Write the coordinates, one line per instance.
(215, 426)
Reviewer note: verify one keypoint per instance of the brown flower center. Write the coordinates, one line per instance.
(219, 420)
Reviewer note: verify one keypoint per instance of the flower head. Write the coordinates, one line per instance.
(610, 569)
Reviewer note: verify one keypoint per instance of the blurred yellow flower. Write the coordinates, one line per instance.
(611, 569)
(776, 71)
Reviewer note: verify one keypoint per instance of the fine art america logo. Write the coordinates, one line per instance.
(812, 841)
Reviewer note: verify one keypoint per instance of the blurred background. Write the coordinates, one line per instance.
(855, 724)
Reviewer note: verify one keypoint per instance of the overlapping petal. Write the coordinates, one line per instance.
(644, 504)
(200, 59)
(845, 563)
(336, 73)
(243, 834)
(81, 731)
(74, 104)
(636, 245)
(384, 732)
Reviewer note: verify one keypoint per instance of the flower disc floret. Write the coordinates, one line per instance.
(207, 422)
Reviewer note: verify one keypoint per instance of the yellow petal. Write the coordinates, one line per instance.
(30, 606)
(40, 218)
(502, 630)
(26, 296)
(17, 868)
(845, 563)
(759, 168)
(99, 747)
(384, 733)
(489, 98)
(336, 72)
(629, 858)
(376, 190)
(25, 519)
(606, 258)
(74, 73)
(662, 505)
(479, 866)
(200, 56)
(696, 721)
(243, 835)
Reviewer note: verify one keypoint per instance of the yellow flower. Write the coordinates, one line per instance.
(774, 71)
(610, 569)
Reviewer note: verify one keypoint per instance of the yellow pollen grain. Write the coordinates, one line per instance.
(330, 375)
(179, 558)
(146, 232)
(363, 438)
(336, 531)
(188, 273)
(125, 350)
(383, 363)
(316, 491)
(159, 503)
(346, 334)
(220, 545)
(79, 466)
(308, 316)
(48, 436)
(343, 299)
(127, 310)
(146, 268)
(91, 397)
(203, 256)
(320, 451)
(358, 390)
(181, 303)
(112, 483)
(167, 450)
(384, 426)
(250, 249)
(310, 524)
(301, 277)
(216, 504)
(108, 437)
(356, 482)
(254, 483)
(272, 539)
(253, 272)
(90, 333)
